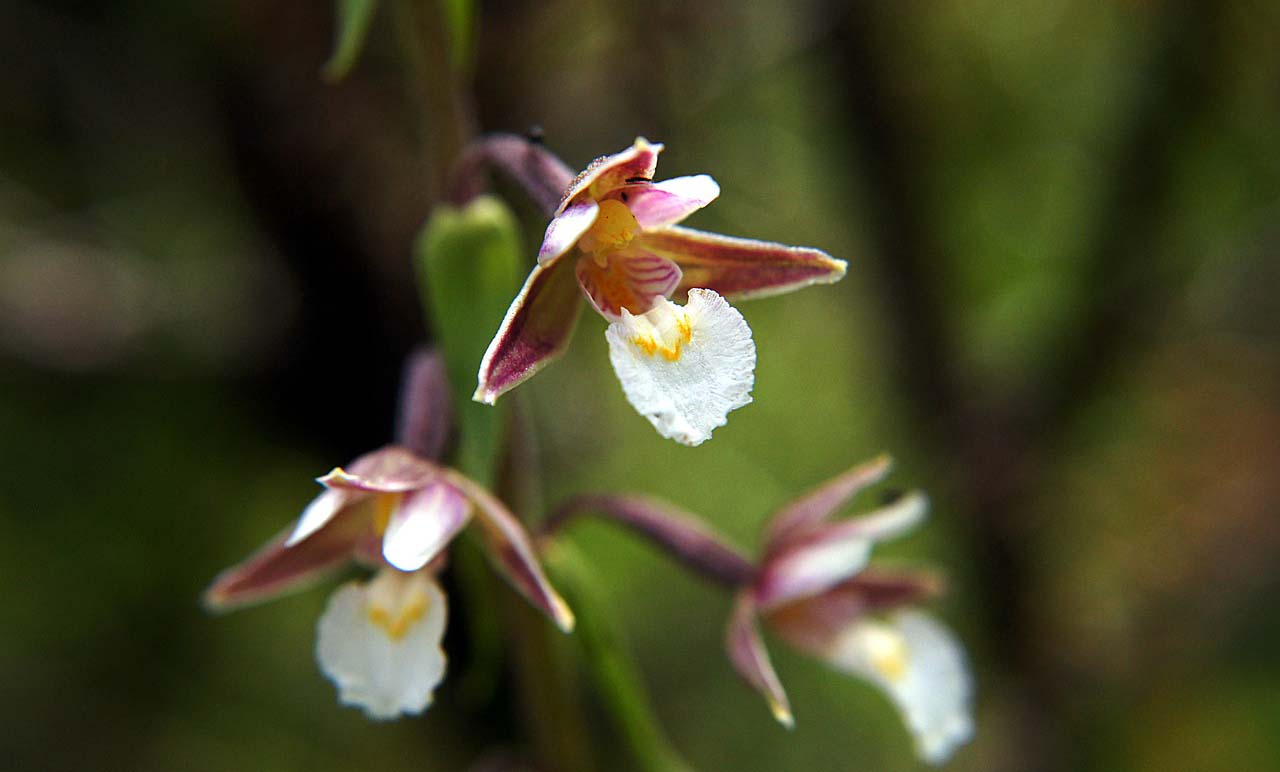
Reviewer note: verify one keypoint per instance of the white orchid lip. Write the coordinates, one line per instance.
(684, 369)
(920, 666)
(379, 642)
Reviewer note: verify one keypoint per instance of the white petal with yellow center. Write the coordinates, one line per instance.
(686, 368)
(921, 667)
(379, 642)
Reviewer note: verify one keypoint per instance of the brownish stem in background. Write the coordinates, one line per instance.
(684, 538)
(538, 171)
(1003, 443)
(446, 115)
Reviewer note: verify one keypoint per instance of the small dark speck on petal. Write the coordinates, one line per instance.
(890, 496)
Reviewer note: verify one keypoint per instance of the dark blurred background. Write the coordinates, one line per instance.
(1061, 317)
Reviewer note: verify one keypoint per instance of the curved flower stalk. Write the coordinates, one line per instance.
(614, 238)
(813, 588)
(395, 511)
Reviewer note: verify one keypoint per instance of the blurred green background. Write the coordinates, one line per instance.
(1061, 317)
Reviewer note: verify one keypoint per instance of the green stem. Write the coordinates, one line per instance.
(613, 672)
(553, 718)
(552, 706)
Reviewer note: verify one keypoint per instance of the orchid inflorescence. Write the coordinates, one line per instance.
(685, 359)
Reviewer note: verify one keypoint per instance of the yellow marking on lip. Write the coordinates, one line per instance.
(645, 343)
(672, 353)
(888, 654)
(397, 625)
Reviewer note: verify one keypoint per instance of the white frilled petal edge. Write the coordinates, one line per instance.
(379, 642)
(921, 667)
(686, 368)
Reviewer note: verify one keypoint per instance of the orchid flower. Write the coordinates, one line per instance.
(813, 588)
(396, 511)
(615, 238)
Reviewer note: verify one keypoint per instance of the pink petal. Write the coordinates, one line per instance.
(512, 553)
(319, 512)
(819, 504)
(612, 171)
(276, 569)
(740, 268)
(425, 412)
(812, 624)
(751, 659)
(825, 556)
(890, 521)
(628, 279)
(424, 523)
(536, 330)
(670, 201)
(566, 228)
(392, 469)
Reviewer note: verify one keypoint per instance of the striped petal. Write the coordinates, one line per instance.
(637, 162)
(751, 659)
(670, 201)
(826, 556)
(536, 329)
(626, 280)
(740, 268)
(566, 228)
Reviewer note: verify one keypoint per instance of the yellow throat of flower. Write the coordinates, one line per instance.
(663, 331)
(614, 228)
(384, 504)
(397, 601)
(886, 651)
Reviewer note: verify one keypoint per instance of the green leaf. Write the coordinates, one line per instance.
(349, 35)
(470, 265)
